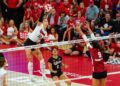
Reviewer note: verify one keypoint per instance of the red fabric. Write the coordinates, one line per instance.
(43, 1)
(57, 7)
(114, 46)
(82, 10)
(86, 2)
(78, 47)
(36, 14)
(70, 1)
(12, 3)
(98, 66)
(55, 20)
(28, 4)
(70, 23)
(4, 28)
(114, 2)
(23, 35)
(27, 15)
(102, 4)
(65, 8)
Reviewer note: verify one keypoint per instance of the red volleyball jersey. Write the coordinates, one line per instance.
(97, 60)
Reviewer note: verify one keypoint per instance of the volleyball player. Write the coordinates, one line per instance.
(33, 39)
(3, 72)
(55, 64)
(96, 52)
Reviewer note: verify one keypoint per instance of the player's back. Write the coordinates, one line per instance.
(97, 60)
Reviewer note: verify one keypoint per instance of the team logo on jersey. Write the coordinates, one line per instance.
(41, 32)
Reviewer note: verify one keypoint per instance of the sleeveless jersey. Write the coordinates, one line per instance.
(38, 34)
(2, 75)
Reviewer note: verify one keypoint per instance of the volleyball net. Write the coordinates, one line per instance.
(79, 66)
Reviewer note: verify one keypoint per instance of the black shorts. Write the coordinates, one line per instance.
(29, 42)
(99, 75)
(58, 74)
(74, 49)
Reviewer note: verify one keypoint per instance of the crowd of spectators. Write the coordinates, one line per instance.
(19, 17)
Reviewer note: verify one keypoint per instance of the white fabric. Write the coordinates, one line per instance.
(52, 20)
(2, 75)
(51, 37)
(10, 31)
(36, 35)
(86, 39)
(1, 32)
(30, 68)
(42, 66)
(93, 37)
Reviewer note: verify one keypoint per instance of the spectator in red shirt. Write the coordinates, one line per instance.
(86, 2)
(2, 31)
(4, 25)
(106, 5)
(70, 24)
(77, 49)
(82, 8)
(36, 14)
(23, 33)
(57, 6)
(27, 15)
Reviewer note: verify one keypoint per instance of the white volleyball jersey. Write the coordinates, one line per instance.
(2, 75)
(38, 33)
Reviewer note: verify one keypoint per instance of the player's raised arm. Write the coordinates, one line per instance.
(84, 37)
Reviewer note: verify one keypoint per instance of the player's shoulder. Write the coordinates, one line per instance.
(60, 57)
(50, 59)
(2, 71)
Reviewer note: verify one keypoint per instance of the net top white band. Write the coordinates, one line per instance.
(57, 43)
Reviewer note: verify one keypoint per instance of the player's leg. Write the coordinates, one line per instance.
(95, 82)
(103, 82)
(64, 77)
(68, 51)
(75, 53)
(38, 55)
(55, 78)
(30, 62)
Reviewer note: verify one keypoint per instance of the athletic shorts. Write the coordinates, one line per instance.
(99, 75)
(58, 74)
(73, 49)
(29, 42)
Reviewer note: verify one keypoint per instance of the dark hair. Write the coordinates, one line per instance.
(54, 47)
(42, 15)
(2, 60)
(96, 44)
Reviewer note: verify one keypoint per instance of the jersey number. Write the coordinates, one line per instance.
(57, 66)
(99, 55)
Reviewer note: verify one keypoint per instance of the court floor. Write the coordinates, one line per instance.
(21, 79)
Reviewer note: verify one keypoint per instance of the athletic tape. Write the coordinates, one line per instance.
(57, 43)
